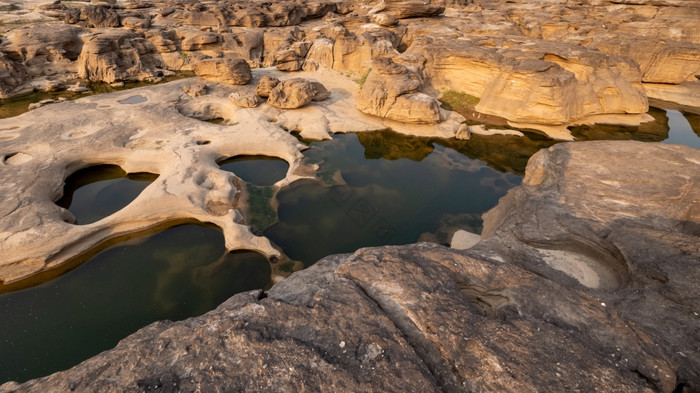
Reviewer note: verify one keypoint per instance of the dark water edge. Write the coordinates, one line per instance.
(176, 274)
(15, 106)
(374, 189)
(96, 192)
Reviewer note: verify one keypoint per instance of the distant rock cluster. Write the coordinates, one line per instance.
(542, 64)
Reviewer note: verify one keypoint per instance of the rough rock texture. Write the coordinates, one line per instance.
(244, 99)
(163, 132)
(427, 318)
(295, 93)
(391, 90)
(627, 226)
(229, 70)
(587, 60)
(118, 55)
(265, 86)
(151, 136)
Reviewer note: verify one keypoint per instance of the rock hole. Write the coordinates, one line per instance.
(17, 158)
(258, 170)
(201, 143)
(96, 192)
(137, 99)
(180, 272)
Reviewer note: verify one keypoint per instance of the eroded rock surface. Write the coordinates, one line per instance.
(428, 318)
(545, 65)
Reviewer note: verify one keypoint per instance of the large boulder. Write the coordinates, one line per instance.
(265, 85)
(409, 9)
(619, 218)
(539, 82)
(232, 70)
(391, 90)
(295, 93)
(114, 55)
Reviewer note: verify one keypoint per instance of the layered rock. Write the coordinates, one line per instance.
(427, 318)
(295, 93)
(539, 82)
(114, 55)
(632, 241)
(229, 70)
(391, 90)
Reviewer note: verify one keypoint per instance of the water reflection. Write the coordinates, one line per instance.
(685, 129)
(96, 192)
(178, 273)
(258, 170)
(381, 201)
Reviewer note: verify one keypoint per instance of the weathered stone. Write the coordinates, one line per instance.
(230, 70)
(587, 214)
(244, 99)
(265, 86)
(295, 93)
(99, 16)
(118, 55)
(390, 90)
(195, 89)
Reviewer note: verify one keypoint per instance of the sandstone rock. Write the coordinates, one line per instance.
(384, 19)
(244, 99)
(391, 91)
(411, 9)
(633, 242)
(462, 240)
(414, 318)
(292, 59)
(195, 89)
(265, 86)
(295, 93)
(541, 82)
(116, 55)
(99, 16)
(136, 23)
(230, 70)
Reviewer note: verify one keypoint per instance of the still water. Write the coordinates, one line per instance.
(178, 273)
(373, 188)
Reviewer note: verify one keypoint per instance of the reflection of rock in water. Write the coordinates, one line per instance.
(694, 121)
(653, 131)
(504, 153)
(390, 145)
(450, 223)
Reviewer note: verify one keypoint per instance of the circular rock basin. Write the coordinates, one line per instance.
(258, 170)
(181, 272)
(96, 192)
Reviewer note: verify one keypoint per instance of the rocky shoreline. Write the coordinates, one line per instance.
(506, 315)
(584, 278)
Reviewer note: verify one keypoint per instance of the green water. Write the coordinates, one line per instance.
(96, 192)
(373, 189)
(379, 193)
(15, 106)
(175, 274)
(257, 170)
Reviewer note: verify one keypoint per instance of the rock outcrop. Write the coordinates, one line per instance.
(428, 318)
(391, 90)
(234, 71)
(295, 93)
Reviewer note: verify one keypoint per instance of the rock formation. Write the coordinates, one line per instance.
(295, 93)
(587, 62)
(392, 91)
(428, 318)
(228, 70)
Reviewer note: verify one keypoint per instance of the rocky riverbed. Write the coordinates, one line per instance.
(583, 279)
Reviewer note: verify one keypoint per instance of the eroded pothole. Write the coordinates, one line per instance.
(96, 192)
